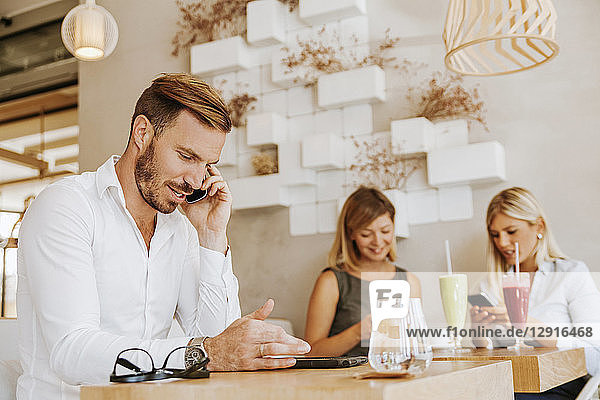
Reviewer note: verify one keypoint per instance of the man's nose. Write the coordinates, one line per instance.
(195, 177)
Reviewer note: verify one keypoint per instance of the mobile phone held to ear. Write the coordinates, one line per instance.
(196, 196)
(481, 300)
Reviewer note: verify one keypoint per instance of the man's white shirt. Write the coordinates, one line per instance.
(88, 287)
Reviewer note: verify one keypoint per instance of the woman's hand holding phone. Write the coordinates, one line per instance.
(211, 215)
(488, 315)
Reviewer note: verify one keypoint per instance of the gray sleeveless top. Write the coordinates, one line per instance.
(350, 309)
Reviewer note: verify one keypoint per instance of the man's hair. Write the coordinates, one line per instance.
(170, 94)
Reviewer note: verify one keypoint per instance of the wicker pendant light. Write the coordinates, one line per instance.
(496, 37)
(89, 32)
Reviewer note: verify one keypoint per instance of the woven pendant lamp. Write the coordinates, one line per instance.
(497, 37)
(89, 32)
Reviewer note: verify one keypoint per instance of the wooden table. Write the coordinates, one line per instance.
(446, 380)
(535, 370)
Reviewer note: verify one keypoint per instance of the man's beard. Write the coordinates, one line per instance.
(149, 184)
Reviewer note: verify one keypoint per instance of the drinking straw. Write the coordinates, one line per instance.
(517, 256)
(448, 261)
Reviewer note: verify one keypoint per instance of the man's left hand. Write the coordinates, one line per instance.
(211, 215)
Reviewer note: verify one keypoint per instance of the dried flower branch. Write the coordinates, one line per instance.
(292, 4)
(326, 53)
(444, 96)
(376, 165)
(264, 164)
(238, 106)
(207, 20)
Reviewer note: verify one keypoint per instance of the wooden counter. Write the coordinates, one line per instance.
(535, 370)
(446, 380)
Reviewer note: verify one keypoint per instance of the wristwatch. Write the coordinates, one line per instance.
(195, 352)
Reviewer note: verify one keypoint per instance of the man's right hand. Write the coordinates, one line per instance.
(243, 344)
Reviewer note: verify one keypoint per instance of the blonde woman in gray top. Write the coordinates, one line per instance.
(364, 249)
(562, 290)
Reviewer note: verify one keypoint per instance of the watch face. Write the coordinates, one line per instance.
(193, 355)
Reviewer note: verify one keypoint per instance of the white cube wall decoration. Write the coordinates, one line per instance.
(329, 121)
(327, 216)
(302, 194)
(361, 85)
(323, 152)
(300, 100)
(319, 11)
(220, 56)
(290, 165)
(293, 21)
(423, 207)
(354, 31)
(249, 81)
(330, 184)
(275, 102)
(299, 177)
(258, 191)
(400, 202)
(289, 156)
(265, 22)
(226, 83)
(340, 204)
(303, 219)
(301, 126)
(281, 74)
(244, 165)
(266, 128)
(456, 203)
(358, 120)
(474, 163)
(412, 136)
(229, 152)
(451, 133)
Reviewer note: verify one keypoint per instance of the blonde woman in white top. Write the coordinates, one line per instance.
(562, 290)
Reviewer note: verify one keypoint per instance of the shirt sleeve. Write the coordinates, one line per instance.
(57, 269)
(208, 301)
(582, 294)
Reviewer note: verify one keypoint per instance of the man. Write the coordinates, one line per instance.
(105, 259)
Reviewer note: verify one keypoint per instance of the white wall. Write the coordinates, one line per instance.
(547, 118)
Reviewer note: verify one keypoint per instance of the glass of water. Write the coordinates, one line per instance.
(400, 345)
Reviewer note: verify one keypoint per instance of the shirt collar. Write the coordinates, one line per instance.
(106, 175)
(546, 266)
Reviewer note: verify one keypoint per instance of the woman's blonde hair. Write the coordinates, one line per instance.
(519, 203)
(360, 209)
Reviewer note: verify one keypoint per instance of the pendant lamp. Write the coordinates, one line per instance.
(89, 32)
(497, 37)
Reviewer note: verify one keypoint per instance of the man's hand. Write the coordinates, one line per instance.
(211, 215)
(244, 343)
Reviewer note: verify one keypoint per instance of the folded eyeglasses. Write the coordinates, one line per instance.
(194, 371)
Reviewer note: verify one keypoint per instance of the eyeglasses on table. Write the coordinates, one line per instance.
(138, 374)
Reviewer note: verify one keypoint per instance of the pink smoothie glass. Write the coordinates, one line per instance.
(516, 297)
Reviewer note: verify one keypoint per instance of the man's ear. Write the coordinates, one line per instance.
(142, 132)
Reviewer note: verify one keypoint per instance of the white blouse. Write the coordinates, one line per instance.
(563, 292)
